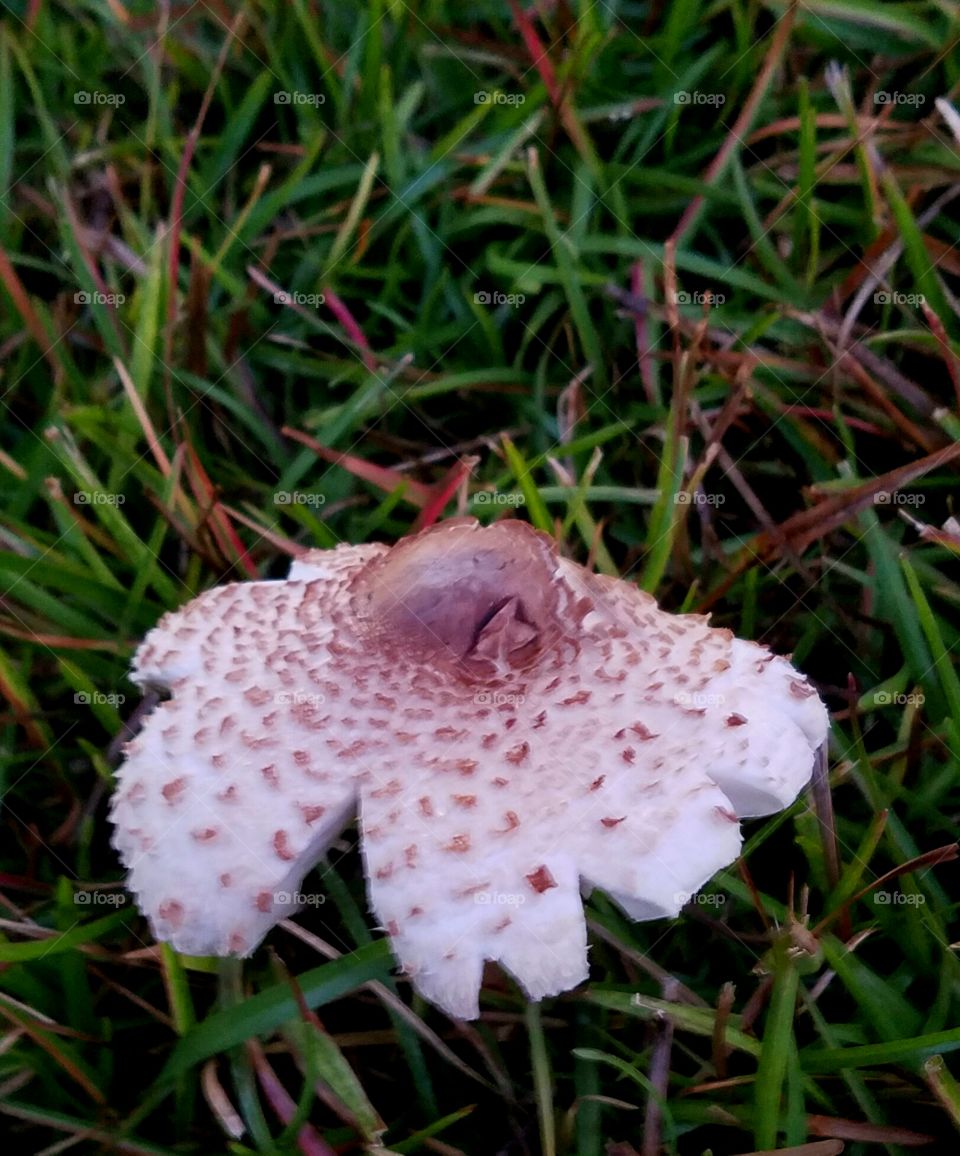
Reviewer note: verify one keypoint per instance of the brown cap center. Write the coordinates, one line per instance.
(481, 601)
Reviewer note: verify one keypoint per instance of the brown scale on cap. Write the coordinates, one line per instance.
(541, 880)
(516, 755)
(136, 794)
(171, 910)
(281, 845)
(369, 680)
(174, 789)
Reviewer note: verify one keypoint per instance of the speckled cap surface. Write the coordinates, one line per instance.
(510, 728)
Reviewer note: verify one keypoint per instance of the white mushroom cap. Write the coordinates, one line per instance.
(514, 727)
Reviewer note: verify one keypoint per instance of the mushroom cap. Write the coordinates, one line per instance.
(511, 728)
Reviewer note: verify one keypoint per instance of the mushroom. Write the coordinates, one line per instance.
(512, 729)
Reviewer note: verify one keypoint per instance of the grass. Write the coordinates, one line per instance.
(677, 283)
